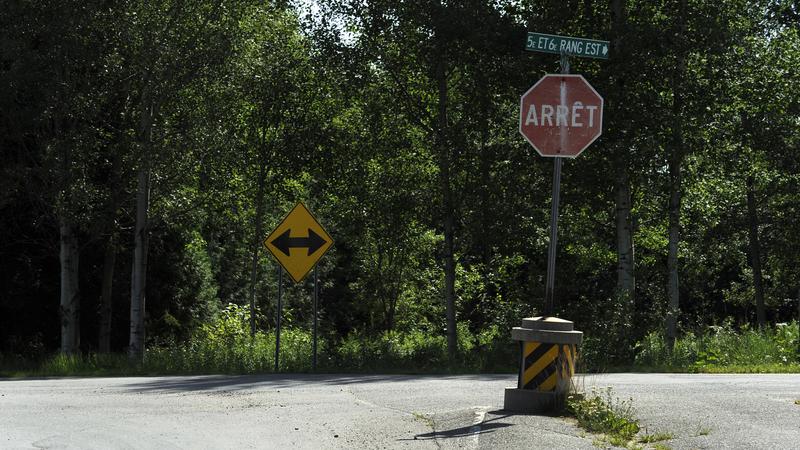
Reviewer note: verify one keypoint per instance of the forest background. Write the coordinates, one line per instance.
(148, 147)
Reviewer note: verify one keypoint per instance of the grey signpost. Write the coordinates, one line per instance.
(316, 299)
(553, 244)
(278, 319)
(566, 47)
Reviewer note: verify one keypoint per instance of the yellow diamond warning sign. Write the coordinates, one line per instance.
(298, 242)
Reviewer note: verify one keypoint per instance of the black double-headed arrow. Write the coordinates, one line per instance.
(313, 242)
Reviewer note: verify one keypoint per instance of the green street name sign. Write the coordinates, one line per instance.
(549, 43)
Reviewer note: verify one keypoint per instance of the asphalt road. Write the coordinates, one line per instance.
(375, 411)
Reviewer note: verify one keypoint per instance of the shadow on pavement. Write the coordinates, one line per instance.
(485, 427)
(278, 381)
(461, 431)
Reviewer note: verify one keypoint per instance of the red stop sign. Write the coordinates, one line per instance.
(561, 115)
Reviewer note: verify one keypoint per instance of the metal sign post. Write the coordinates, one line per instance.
(551, 249)
(316, 297)
(549, 303)
(278, 319)
(298, 243)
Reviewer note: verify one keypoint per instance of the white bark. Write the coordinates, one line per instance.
(626, 282)
(139, 269)
(447, 203)
(257, 238)
(675, 180)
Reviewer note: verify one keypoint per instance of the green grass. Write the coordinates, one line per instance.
(613, 419)
(752, 368)
(600, 413)
(655, 437)
(724, 349)
(395, 353)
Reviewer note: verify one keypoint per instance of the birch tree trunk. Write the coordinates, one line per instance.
(139, 269)
(447, 195)
(257, 238)
(755, 251)
(672, 252)
(626, 282)
(109, 258)
(675, 162)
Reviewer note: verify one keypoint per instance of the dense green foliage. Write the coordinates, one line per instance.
(225, 346)
(396, 123)
(723, 347)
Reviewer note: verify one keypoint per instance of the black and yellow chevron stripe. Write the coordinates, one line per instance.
(567, 361)
(539, 366)
(544, 364)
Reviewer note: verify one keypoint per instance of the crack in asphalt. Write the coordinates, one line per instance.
(478, 414)
(369, 403)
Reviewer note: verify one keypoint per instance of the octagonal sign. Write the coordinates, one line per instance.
(561, 115)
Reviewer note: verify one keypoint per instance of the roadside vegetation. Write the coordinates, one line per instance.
(724, 349)
(613, 420)
(224, 346)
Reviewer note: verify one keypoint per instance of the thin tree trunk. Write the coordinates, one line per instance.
(675, 179)
(447, 201)
(626, 282)
(109, 260)
(755, 251)
(486, 208)
(257, 240)
(672, 252)
(70, 299)
(109, 257)
(393, 292)
(69, 260)
(625, 254)
(394, 295)
(139, 270)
